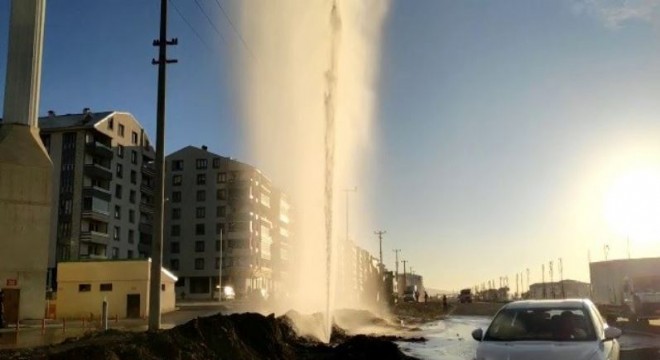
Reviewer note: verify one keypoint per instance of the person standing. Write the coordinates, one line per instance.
(444, 302)
(426, 296)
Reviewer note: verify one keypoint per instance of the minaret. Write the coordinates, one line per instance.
(25, 169)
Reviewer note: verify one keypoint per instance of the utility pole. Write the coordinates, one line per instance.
(157, 242)
(543, 279)
(220, 268)
(561, 279)
(396, 262)
(380, 234)
(552, 281)
(405, 279)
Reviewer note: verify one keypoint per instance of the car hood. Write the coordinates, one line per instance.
(537, 350)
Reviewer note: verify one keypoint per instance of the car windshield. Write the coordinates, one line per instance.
(546, 324)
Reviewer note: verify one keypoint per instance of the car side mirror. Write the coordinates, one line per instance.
(478, 334)
(612, 333)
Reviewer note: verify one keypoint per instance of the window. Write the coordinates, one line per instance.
(84, 287)
(177, 165)
(105, 287)
(199, 246)
(131, 196)
(176, 213)
(217, 263)
(131, 216)
(120, 151)
(199, 229)
(174, 264)
(200, 212)
(120, 171)
(221, 194)
(543, 324)
(177, 180)
(217, 245)
(115, 253)
(133, 177)
(115, 235)
(120, 130)
(201, 164)
(111, 123)
(199, 264)
(221, 177)
(134, 157)
(219, 228)
(175, 230)
(129, 255)
(201, 179)
(176, 196)
(216, 163)
(118, 191)
(181, 282)
(117, 212)
(174, 247)
(221, 211)
(199, 284)
(201, 195)
(134, 138)
(131, 236)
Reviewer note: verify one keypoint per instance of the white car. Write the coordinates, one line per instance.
(548, 329)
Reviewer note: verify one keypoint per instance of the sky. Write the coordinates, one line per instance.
(504, 129)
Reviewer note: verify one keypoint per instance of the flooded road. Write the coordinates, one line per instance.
(451, 339)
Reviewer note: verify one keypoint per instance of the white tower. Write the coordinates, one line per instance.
(25, 170)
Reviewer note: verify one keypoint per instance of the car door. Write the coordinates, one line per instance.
(609, 348)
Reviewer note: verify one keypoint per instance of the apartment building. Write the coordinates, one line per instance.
(223, 217)
(103, 179)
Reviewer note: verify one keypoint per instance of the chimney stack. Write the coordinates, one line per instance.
(205, 148)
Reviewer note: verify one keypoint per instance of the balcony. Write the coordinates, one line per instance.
(95, 237)
(96, 214)
(146, 228)
(97, 170)
(147, 207)
(99, 149)
(94, 257)
(147, 188)
(98, 192)
(149, 170)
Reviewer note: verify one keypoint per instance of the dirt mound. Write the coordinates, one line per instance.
(237, 336)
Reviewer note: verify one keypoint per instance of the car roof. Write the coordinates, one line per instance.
(547, 304)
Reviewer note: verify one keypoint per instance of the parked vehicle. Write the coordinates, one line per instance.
(465, 296)
(228, 293)
(548, 329)
(409, 293)
(627, 288)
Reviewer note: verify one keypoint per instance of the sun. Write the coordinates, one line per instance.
(632, 205)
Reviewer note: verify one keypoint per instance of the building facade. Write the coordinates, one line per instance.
(560, 290)
(124, 284)
(103, 181)
(223, 218)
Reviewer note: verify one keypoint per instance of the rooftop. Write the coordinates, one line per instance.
(82, 120)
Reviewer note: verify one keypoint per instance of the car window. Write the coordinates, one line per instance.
(560, 324)
(599, 323)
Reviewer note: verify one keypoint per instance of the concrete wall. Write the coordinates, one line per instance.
(25, 204)
(126, 277)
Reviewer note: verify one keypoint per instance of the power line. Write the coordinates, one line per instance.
(238, 33)
(190, 25)
(210, 22)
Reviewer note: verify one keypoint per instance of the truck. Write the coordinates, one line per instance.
(626, 288)
(465, 296)
(409, 294)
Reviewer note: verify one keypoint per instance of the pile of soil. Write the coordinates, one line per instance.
(237, 336)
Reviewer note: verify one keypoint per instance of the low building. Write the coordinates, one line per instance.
(560, 290)
(82, 286)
